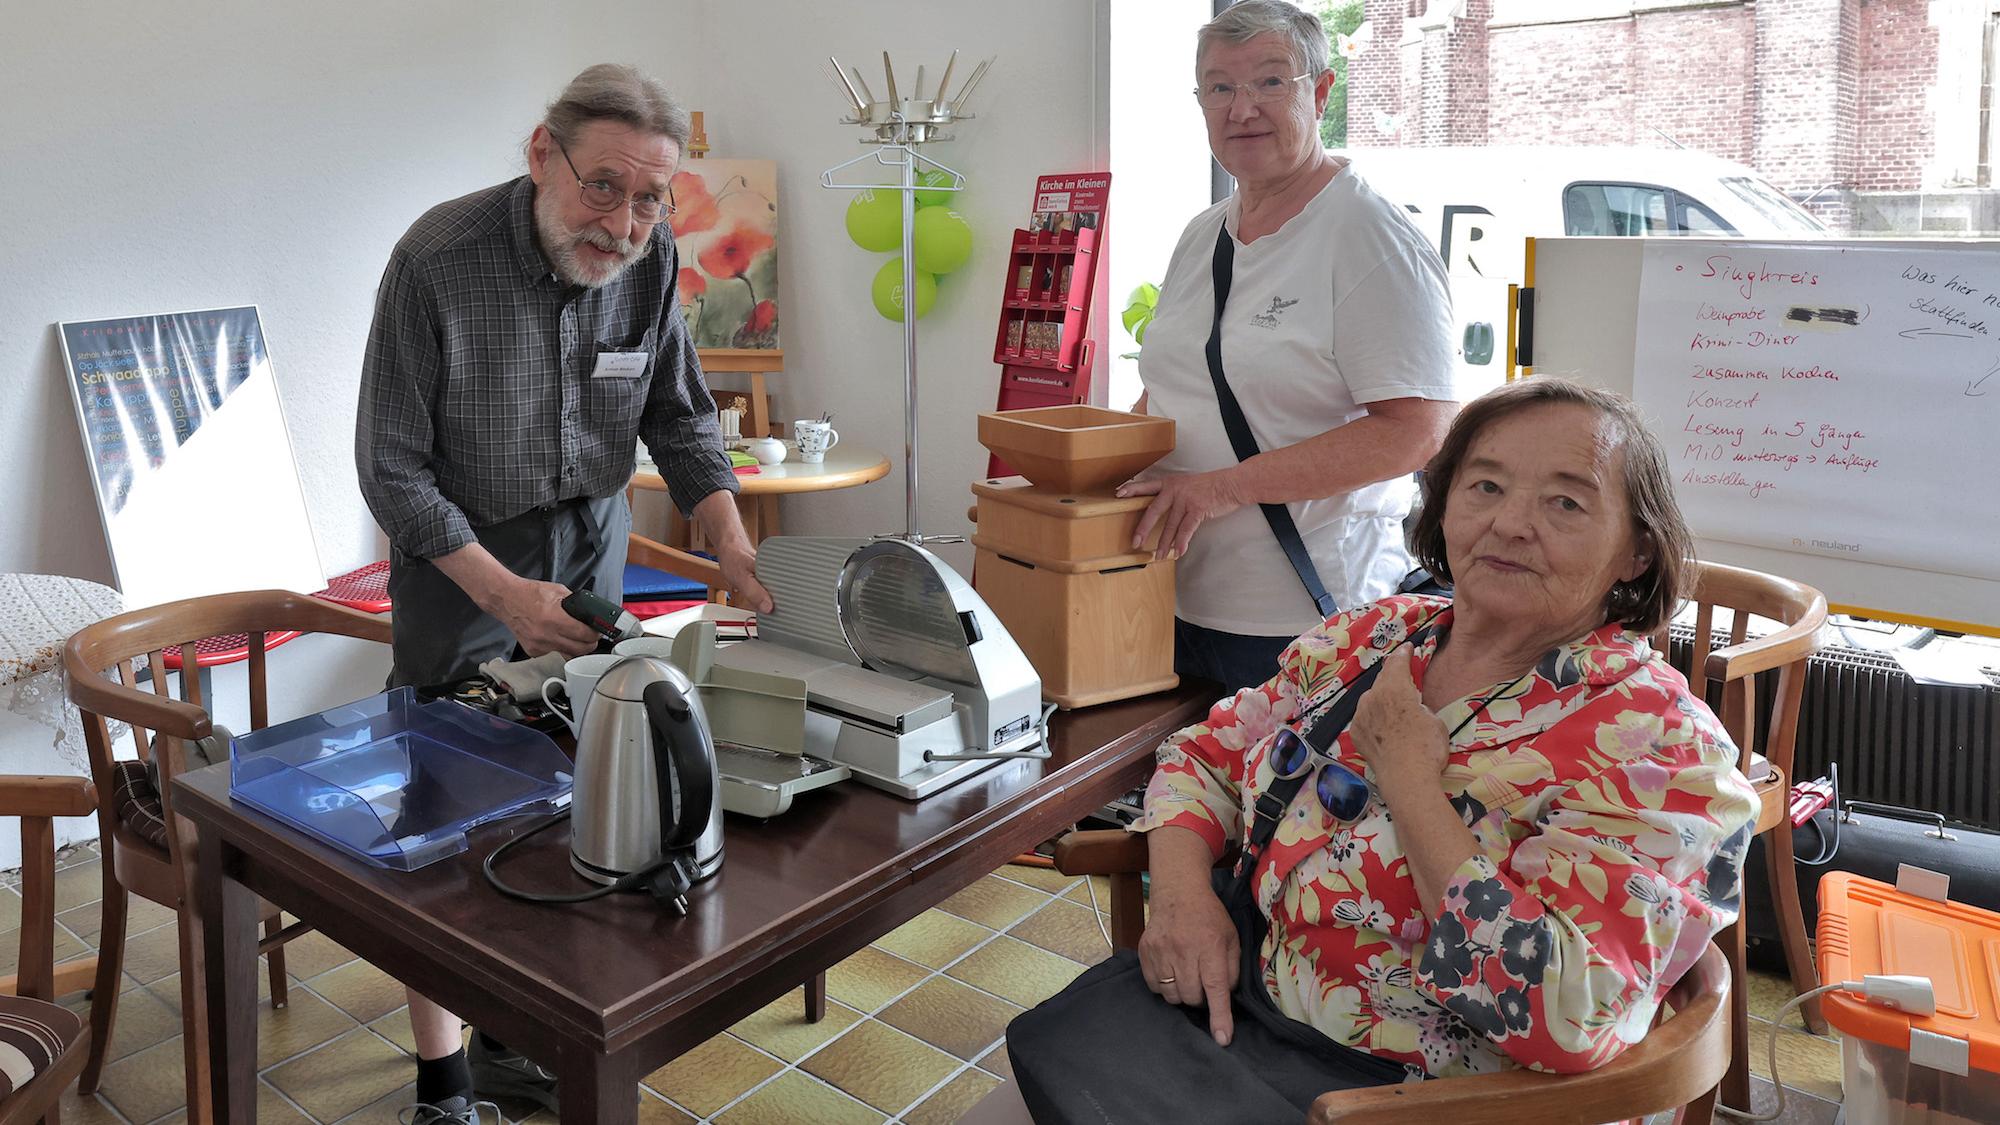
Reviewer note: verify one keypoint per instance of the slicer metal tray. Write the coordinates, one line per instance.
(762, 783)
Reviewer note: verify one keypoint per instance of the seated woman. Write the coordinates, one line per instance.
(1526, 832)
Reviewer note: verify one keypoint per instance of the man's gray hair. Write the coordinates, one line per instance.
(1246, 19)
(611, 92)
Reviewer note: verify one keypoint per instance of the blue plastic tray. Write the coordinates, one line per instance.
(396, 782)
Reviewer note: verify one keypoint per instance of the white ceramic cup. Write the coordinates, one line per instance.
(814, 438)
(661, 648)
(578, 684)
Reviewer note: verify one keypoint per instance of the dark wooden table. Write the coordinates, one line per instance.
(605, 992)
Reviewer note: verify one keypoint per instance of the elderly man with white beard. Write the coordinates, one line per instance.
(524, 336)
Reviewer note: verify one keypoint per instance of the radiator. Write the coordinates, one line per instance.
(1896, 741)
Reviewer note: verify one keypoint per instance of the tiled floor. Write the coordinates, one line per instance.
(913, 1032)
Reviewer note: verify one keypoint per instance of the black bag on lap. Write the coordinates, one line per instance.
(1108, 1050)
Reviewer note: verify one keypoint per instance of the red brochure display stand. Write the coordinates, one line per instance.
(1041, 345)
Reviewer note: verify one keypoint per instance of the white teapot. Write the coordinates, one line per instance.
(767, 450)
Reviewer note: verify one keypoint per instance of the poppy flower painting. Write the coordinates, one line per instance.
(734, 252)
(725, 226)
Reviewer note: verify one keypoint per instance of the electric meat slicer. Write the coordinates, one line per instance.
(911, 681)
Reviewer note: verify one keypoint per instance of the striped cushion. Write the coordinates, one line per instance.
(33, 1034)
(139, 803)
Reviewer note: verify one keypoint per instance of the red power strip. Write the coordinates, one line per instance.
(1808, 797)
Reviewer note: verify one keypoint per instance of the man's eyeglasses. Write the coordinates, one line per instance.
(601, 196)
(1222, 95)
(1342, 792)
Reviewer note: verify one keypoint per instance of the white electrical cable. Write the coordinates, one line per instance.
(1095, 913)
(1908, 994)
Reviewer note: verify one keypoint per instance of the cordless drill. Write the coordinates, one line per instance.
(611, 620)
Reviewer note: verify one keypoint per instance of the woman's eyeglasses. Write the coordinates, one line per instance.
(1222, 95)
(1342, 792)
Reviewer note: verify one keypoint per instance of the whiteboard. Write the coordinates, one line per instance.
(1829, 408)
(189, 455)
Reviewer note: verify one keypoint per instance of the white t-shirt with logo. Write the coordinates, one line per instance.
(1345, 305)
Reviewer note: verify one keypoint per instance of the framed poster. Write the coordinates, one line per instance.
(189, 453)
(726, 225)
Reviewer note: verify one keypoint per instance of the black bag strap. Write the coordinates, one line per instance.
(1272, 802)
(1244, 443)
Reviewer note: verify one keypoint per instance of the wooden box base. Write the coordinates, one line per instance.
(1042, 523)
(1093, 634)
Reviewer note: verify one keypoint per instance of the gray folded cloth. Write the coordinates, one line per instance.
(523, 679)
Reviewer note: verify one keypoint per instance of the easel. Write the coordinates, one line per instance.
(760, 515)
(755, 363)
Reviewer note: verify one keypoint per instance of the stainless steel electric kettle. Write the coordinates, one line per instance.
(646, 789)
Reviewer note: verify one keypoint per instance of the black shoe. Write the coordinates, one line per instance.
(509, 1075)
(453, 1111)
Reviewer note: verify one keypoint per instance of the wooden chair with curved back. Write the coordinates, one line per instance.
(1676, 1067)
(51, 1041)
(146, 850)
(1727, 677)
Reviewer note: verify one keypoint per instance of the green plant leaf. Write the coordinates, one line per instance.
(1139, 310)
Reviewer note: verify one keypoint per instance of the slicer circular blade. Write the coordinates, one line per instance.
(897, 613)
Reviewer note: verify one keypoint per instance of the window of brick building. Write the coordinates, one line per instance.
(1872, 115)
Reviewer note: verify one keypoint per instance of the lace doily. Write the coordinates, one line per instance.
(38, 613)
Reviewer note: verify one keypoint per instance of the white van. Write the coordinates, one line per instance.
(1479, 203)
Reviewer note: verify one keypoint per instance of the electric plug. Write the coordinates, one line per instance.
(1903, 993)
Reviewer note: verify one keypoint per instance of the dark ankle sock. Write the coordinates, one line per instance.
(491, 1045)
(448, 1077)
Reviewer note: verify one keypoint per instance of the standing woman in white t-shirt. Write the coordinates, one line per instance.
(1335, 340)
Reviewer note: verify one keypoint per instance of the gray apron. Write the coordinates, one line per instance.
(441, 637)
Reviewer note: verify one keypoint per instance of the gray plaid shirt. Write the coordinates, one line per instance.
(478, 401)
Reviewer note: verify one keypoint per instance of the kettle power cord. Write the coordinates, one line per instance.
(667, 880)
(1907, 994)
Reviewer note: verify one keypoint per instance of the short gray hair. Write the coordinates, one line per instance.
(611, 92)
(1246, 19)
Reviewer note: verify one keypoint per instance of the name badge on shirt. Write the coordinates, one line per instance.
(621, 365)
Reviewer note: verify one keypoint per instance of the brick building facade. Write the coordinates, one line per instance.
(1865, 109)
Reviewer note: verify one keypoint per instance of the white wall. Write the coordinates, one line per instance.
(163, 157)
(1040, 109)
(271, 153)
(228, 153)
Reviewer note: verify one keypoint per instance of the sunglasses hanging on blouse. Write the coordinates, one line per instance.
(1344, 793)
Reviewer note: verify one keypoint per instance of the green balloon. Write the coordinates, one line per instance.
(935, 178)
(875, 220)
(943, 240)
(888, 290)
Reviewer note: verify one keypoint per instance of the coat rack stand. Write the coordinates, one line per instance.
(897, 125)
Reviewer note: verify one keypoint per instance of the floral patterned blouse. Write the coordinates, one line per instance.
(1611, 823)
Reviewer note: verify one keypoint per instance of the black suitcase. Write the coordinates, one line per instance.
(1872, 840)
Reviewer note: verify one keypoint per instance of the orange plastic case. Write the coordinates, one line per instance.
(1867, 927)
